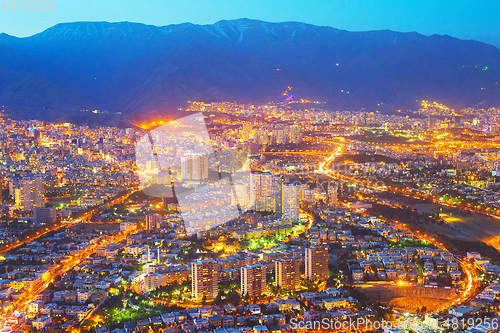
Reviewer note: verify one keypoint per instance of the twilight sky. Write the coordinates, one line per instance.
(478, 20)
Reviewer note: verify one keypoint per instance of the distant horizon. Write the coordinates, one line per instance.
(246, 18)
(454, 18)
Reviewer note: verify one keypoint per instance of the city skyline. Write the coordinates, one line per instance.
(268, 174)
(312, 216)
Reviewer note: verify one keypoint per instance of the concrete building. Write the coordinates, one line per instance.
(40, 323)
(29, 193)
(125, 226)
(83, 296)
(194, 166)
(279, 195)
(332, 195)
(316, 259)
(153, 281)
(287, 273)
(205, 279)
(290, 202)
(263, 191)
(253, 280)
(153, 221)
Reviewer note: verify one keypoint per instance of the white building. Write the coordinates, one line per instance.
(263, 191)
(461, 310)
(291, 202)
(332, 195)
(35, 306)
(125, 226)
(433, 321)
(83, 296)
(473, 255)
(40, 323)
(205, 279)
(135, 249)
(153, 281)
(194, 166)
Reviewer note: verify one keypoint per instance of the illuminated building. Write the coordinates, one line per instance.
(205, 279)
(295, 134)
(40, 323)
(29, 193)
(245, 132)
(287, 273)
(280, 136)
(194, 166)
(279, 195)
(152, 166)
(431, 123)
(83, 295)
(242, 196)
(153, 281)
(263, 187)
(153, 221)
(332, 195)
(124, 226)
(35, 306)
(290, 202)
(253, 280)
(317, 263)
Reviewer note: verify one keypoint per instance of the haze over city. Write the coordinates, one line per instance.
(259, 166)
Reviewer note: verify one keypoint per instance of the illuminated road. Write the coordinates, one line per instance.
(471, 284)
(65, 224)
(29, 240)
(379, 186)
(310, 218)
(73, 259)
(323, 165)
(324, 169)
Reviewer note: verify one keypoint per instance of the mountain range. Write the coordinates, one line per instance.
(139, 70)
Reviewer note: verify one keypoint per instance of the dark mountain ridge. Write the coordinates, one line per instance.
(142, 70)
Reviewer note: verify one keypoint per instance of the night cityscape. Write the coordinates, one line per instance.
(257, 175)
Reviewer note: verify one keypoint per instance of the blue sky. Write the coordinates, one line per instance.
(478, 20)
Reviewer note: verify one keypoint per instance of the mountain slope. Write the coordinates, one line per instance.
(139, 69)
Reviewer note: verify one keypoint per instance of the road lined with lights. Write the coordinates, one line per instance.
(73, 259)
(379, 186)
(471, 286)
(65, 224)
